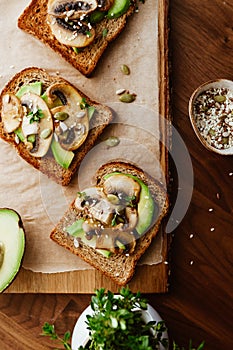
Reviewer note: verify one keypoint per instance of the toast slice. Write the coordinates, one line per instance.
(34, 21)
(47, 164)
(119, 265)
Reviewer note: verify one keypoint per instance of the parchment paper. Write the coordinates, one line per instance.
(40, 201)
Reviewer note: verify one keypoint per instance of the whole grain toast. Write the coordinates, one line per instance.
(119, 267)
(34, 21)
(47, 164)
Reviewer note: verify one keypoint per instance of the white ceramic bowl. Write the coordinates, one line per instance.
(219, 83)
(80, 334)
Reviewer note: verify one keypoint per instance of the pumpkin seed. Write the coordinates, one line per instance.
(81, 114)
(219, 98)
(113, 198)
(112, 141)
(1, 253)
(120, 91)
(61, 116)
(127, 98)
(125, 69)
(45, 133)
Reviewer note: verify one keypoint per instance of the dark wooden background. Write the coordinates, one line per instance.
(199, 303)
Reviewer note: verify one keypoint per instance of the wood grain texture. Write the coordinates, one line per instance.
(200, 299)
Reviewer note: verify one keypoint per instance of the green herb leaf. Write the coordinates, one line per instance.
(83, 104)
(35, 116)
(49, 330)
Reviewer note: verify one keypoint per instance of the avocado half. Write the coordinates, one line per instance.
(12, 245)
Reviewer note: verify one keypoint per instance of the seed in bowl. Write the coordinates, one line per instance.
(213, 114)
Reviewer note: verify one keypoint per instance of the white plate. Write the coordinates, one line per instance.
(80, 334)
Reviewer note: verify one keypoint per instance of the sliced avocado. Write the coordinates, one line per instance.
(146, 208)
(62, 157)
(31, 138)
(146, 205)
(20, 134)
(77, 231)
(76, 228)
(96, 16)
(12, 244)
(118, 8)
(35, 88)
(55, 103)
(90, 110)
(104, 252)
(120, 245)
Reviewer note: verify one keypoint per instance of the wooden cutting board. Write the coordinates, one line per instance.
(148, 278)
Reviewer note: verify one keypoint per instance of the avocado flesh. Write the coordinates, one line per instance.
(13, 242)
(118, 8)
(62, 157)
(55, 103)
(77, 231)
(35, 88)
(146, 205)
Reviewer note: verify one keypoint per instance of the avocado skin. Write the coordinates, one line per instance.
(146, 205)
(62, 157)
(118, 8)
(14, 242)
(35, 88)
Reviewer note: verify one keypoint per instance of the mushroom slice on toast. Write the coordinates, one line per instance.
(37, 122)
(73, 33)
(71, 9)
(12, 112)
(72, 131)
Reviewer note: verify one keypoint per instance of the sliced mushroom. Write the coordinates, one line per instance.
(127, 239)
(106, 241)
(74, 129)
(123, 186)
(102, 211)
(104, 5)
(132, 218)
(115, 240)
(71, 33)
(88, 197)
(12, 112)
(43, 127)
(71, 9)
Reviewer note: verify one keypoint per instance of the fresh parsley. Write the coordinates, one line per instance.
(49, 331)
(116, 324)
(83, 104)
(35, 116)
(200, 347)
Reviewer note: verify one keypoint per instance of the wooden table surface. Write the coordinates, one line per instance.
(199, 302)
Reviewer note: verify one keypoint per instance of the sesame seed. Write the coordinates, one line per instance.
(12, 66)
(211, 209)
(166, 262)
(191, 262)
(191, 235)
(212, 229)
(218, 195)
(230, 174)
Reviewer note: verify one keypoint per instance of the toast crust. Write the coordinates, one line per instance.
(34, 21)
(47, 164)
(119, 267)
